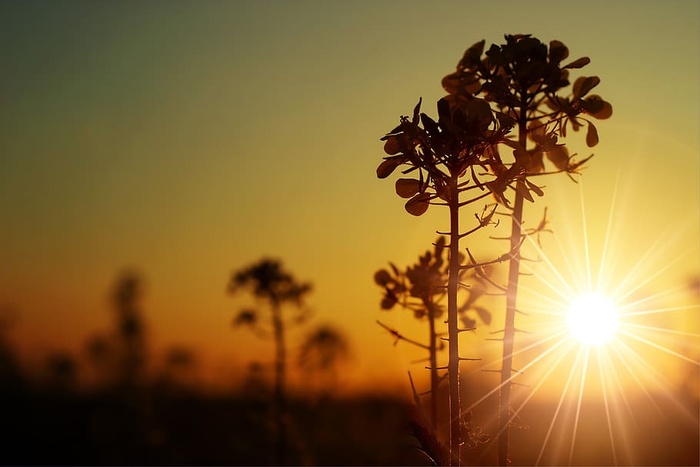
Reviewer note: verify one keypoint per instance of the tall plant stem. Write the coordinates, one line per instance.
(278, 405)
(452, 326)
(511, 298)
(434, 381)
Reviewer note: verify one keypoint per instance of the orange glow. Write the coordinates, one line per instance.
(190, 140)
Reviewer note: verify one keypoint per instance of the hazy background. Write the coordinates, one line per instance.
(188, 139)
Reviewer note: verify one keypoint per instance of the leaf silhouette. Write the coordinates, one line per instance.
(484, 314)
(388, 302)
(578, 63)
(387, 167)
(524, 192)
(557, 51)
(394, 268)
(536, 161)
(439, 246)
(473, 54)
(418, 204)
(559, 156)
(430, 125)
(407, 187)
(392, 145)
(596, 107)
(467, 322)
(534, 188)
(591, 135)
(245, 317)
(382, 277)
(416, 111)
(584, 84)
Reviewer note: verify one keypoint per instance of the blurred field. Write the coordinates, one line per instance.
(164, 424)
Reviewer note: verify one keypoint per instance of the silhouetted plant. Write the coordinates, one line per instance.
(254, 385)
(447, 156)
(101, 354)
(421, 289)
(126, 297)
(519, 79)
(324, 349)
(179, 370)
(62, 372)
(268, 281)
(523, 78)
(11, 375)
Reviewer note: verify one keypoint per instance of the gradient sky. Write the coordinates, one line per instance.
(190, 138)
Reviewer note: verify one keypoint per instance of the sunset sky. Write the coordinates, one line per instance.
(187, 139)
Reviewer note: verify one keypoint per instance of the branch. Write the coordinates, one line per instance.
(504, 214)
(400, 337)
(515, 329)
(458, 331)
(469, 232)
(482, 275)
(529, 260)
(472, 200)
(570, 169)
(488, 279)
(500, 259)
(484, 220)
(541, 227)
(496, 294)
(550, 121)
(416, 398)
(480, 187)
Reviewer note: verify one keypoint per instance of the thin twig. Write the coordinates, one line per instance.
(401, 337)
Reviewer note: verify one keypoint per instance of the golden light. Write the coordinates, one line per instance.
(607, 334)
(592, 319)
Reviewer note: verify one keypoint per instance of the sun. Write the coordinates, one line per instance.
(592, 319)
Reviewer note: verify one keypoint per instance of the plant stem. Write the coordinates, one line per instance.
(452, 324)
(509, 334)
(434, 381)
(511, 297)
(278, 405)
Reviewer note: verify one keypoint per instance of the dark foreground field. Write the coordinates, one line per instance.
(50, 428)
(159, 427)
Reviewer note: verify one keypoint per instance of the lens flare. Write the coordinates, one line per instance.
(592, 319)
(609, 336)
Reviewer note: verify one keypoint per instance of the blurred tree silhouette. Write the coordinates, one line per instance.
(101, 353)
(11, 375)
(323, 351)
(268, 281)
(62, 372)
(126, 296)
(254, 384)
(178, 374)
(523, 78)
(133, 387)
